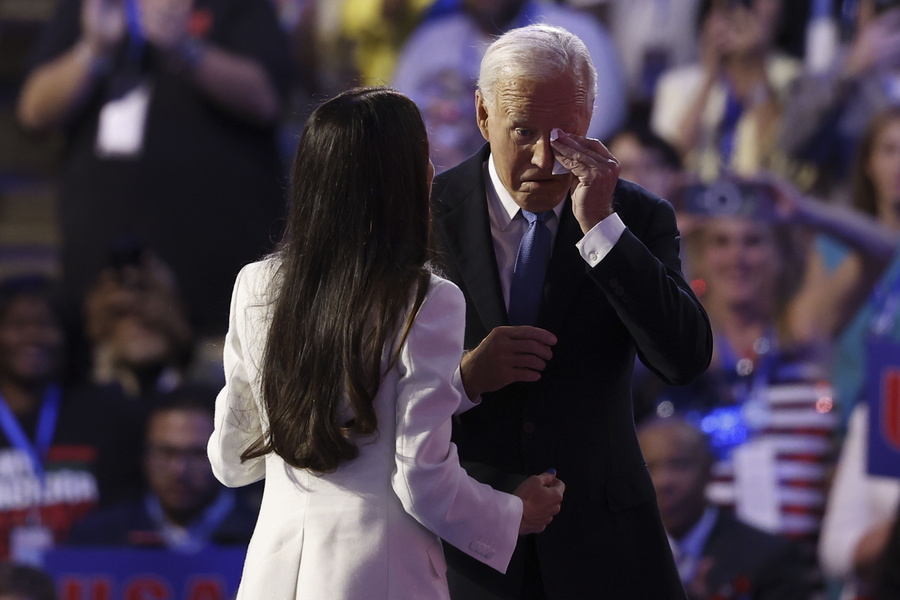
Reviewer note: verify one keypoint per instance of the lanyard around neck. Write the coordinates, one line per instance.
(200, 531)
(135, 32)
(37, 452)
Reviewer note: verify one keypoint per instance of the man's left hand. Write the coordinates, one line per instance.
(596, 171)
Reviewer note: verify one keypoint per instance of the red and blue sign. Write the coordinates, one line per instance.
(124, 574)
(884, 409)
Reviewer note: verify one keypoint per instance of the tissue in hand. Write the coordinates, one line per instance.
(558, 168)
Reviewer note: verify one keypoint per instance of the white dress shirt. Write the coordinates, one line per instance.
(689, 549)
(508, 226)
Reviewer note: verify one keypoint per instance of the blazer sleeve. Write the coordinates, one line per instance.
(237, 419)
(642, 278)
(428, 479)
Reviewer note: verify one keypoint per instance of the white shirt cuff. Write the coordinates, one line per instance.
(464, 402)
(597, 242)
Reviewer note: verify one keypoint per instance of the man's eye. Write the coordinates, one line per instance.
(523, 132)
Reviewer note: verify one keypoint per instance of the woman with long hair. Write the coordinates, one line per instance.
(865, 297)
(341, 366)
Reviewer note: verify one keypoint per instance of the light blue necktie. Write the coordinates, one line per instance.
(527, 285)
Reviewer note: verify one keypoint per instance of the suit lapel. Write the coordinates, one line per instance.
(462, 216)
(566, 272)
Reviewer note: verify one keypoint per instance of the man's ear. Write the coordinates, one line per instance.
(481, 115)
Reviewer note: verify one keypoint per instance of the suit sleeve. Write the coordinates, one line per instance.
(428, 479)
(641, 276)
(237, 420)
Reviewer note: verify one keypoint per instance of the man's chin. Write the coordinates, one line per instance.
(538, 196)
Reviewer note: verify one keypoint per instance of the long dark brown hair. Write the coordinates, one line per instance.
(352, 262)
(862, 189)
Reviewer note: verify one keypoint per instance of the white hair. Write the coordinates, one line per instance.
(537, 53)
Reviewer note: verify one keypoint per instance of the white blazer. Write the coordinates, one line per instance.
(371, 529)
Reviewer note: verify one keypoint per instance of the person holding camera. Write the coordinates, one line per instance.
(827, 112)
(136, 323)
(726, 108)
(851, 282)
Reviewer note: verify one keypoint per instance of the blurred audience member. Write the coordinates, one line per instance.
(841, 275)
(647, 160)
(377, 30)
(651, 36)
(439, 65)
(726, 109)
(766, 400)
(185, 508)
(170, 110)
(137, 326)
(24, 582)
(61, 453)
(717, 555)
(323, 54)
(860, 516)
(827, 112)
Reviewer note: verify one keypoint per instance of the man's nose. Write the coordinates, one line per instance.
(542, 156)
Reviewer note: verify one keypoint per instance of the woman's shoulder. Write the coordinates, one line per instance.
(441, 286)
(442, 300)
(263, 268)
(254, 278)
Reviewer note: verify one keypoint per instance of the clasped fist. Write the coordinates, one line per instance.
(541, 501)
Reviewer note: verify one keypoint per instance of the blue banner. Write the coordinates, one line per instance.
(125, 574)
(883, 384)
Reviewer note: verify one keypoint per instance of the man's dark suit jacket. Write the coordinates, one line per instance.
(608, 541)
(769, 567)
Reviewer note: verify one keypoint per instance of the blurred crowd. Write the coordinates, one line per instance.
(772, 126)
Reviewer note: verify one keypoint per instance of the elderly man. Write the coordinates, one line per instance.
(566, 276)
(442, 83)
